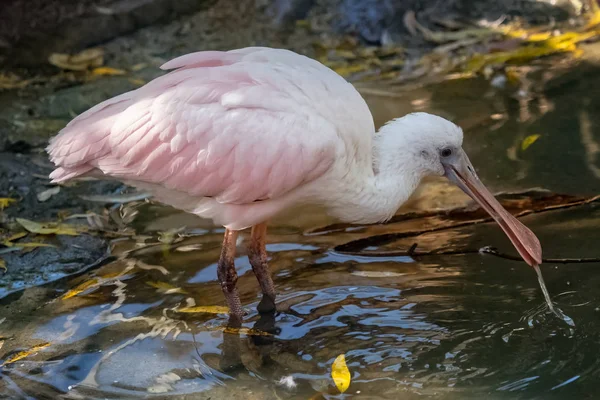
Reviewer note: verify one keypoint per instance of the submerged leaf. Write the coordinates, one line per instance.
(243, 331)
(26, 353)
(528, 141)
(165, 287)
(3, 265)
(204, 309)
(340, 373)
(6, 201)
(49, 229)
(80, 288)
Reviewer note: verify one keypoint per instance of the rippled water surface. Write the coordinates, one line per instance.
(452, 326)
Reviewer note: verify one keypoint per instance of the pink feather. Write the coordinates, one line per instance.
(236, 126)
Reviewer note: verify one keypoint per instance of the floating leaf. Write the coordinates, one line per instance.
(165, 287)
(80, 288)
(528, 141)
(340, 373)
(49, 229)
(6, 201)
(205, 309)
(22, 354)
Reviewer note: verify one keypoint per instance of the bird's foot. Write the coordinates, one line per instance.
(266, 305)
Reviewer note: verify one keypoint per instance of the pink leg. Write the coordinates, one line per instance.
(228, 276)
(257, 254)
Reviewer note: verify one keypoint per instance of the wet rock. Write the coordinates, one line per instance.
(30, 30)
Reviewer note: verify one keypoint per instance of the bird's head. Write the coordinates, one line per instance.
(433, 145)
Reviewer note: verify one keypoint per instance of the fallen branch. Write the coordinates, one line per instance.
(484, 250)
(378, 240)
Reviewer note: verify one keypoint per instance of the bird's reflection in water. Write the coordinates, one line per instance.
(248, 351)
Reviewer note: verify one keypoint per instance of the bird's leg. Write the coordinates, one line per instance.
(228, 277)
(257, 254)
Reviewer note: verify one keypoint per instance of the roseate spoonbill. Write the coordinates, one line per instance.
(238, 136)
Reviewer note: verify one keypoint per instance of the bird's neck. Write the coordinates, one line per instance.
(384, 183)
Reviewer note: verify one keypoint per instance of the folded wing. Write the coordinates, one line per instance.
(238, 126)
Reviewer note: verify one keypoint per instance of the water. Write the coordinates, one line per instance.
(556, 311)
(465, 326)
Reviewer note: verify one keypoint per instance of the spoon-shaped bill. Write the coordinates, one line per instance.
(460, 171)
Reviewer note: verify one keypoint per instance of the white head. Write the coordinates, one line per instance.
(420, 140)
(421, 144)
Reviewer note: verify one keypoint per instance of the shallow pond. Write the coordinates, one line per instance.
(451, 326)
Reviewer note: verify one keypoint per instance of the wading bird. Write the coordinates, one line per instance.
(239, 136)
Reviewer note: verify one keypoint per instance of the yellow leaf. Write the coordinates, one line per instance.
(165, 287)
(12, 238)
(6, 201)
(3, 265)
(347, 54)
(108, 71)
(302, 23)
(205, 309)
(137, 81)
(48, 229)
(347, 70)
(78, 62)
(594, 18)
(538, 37)
(28, 244)
(528, 141)
(22, 354)
(79, 289)
(138, 67)
(340, 373)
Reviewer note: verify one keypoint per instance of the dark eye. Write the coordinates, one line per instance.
(447, 152)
